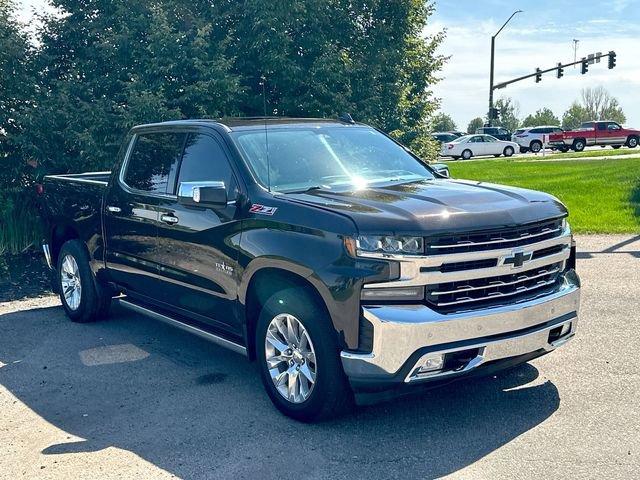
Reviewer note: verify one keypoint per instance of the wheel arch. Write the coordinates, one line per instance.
(264, 282)
(60, 233)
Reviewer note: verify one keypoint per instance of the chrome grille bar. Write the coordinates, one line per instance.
(494, 295)
(524, 236)
(498, 283)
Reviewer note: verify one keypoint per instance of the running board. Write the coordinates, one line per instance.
(223, 342)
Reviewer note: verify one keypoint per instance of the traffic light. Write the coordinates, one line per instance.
(560, 71)
(612, 59)
(538, 76)
(585, 66)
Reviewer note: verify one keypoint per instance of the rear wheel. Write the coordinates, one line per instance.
(299, 358)
(536, 146)
(632, 142)
(508, 151)
(83, 299)
(466, 155)
(578, 145)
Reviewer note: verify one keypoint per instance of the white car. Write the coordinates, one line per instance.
(533, 138)
(476, 145)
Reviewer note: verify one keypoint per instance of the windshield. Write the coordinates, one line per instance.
(326, 157)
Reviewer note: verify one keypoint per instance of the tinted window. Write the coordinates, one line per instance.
(602, 126)
(151, 161)
(502, 131)
(205, 161)
(536, 130)
(477, 139)
(587, 125)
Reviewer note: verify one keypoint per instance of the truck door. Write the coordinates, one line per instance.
(612, 134)
(131, 211)
(197, 245)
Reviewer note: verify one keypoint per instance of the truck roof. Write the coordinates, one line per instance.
(248, 123)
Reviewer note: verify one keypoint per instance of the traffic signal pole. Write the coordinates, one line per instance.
(493, 52)
(560, 68)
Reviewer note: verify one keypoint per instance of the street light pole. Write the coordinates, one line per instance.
(493, 52)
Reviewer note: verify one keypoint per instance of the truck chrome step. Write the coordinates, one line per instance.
(223, 342)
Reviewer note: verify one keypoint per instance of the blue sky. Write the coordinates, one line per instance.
(541, 36)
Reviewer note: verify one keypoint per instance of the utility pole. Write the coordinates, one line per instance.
(575, 50)
(493, 51)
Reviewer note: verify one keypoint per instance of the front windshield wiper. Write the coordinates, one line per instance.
(310, 189)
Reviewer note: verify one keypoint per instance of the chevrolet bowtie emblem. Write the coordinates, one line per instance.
(518, 259)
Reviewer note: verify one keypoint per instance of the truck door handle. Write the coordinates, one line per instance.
(170, 219)
(113, 209)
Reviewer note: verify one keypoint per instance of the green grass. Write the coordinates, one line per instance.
(605, 152)
(603, 196)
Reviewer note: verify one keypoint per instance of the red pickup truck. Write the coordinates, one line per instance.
(595, 133)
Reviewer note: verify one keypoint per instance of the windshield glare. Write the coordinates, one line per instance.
(326, 157)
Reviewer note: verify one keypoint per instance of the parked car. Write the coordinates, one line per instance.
(535, 138)
(444, 137)
(498, 132)
(346, 267)
(476, 145)
(457, 133)
(596, 133)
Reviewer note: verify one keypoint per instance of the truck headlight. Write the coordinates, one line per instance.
(389, 245)
(565, 225)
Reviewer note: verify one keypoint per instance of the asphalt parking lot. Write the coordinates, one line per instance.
(132, 398)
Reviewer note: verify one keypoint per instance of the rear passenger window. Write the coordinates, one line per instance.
(602, 126)
(204, 160)
(151, 161)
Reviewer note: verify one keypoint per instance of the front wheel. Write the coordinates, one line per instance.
(83, 299)
(299, 358)
(508, 151)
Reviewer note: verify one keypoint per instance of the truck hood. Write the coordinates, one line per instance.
(436, 206)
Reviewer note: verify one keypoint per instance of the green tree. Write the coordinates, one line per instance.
(474, 125)
(442, 122)
(574, 116)
(508, 112)
(543, 116)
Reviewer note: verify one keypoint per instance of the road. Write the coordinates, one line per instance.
(131, 398)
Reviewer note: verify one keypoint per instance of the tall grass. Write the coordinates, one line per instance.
(20, 227)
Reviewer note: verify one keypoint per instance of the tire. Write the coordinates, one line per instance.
(536, 146)
(578, 145)
(615, 147)
(467, 154)
(508, 151)
(87, 301)
(632, 142)
(329, 395)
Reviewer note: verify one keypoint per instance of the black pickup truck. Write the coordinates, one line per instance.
(347, 268)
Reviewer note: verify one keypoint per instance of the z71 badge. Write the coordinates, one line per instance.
(262, 209)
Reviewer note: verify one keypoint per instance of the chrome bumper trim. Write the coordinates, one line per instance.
(401, 330)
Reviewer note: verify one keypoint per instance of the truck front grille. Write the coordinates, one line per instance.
(486, 269)
(492, 291)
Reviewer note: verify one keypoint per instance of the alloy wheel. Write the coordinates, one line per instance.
(290, 357)
(70, 281)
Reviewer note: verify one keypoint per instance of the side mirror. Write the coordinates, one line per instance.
(442, 169)
(204, 194)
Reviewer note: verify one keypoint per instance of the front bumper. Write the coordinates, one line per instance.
(404, 334)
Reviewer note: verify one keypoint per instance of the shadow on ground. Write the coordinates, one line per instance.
(198, 411)
(23, 276)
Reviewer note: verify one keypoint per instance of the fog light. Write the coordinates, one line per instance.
(566, 328)
(431, 363)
